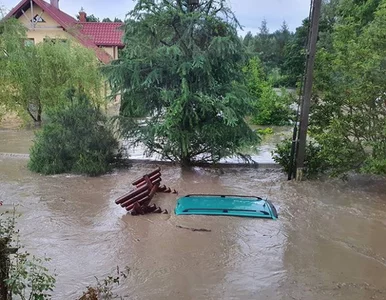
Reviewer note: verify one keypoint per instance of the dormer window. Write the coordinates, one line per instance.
(38, 19)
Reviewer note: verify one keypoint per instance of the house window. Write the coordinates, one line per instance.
(29, 42)
(38, 19)
(54, 41)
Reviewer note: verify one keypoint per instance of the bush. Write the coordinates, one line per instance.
(25, 276)
(265, 131)
(314, 162)
(270, 107)
(273, 108)
(76, 139)
(105, 289)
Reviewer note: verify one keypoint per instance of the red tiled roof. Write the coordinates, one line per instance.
(103, 34)
(91, 35)
(59, 16)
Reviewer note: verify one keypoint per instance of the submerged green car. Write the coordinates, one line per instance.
(226, 205)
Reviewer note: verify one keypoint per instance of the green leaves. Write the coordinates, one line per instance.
(28, 277)
(184, 75)
(349, 113)
(269, 107)
(37, 77)
(314, 164)
(76, 139)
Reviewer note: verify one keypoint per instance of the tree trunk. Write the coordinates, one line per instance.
(38, 122)
(185, 161)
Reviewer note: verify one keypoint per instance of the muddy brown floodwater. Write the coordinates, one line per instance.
(329, 242)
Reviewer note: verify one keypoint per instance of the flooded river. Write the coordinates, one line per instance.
(329, 241)
(19, 141)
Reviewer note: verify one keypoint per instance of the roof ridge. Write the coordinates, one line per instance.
(68, 22)
(115, 23)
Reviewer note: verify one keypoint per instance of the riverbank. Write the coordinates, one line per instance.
(19, 141)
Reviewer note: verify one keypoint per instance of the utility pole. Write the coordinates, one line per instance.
(305, 108)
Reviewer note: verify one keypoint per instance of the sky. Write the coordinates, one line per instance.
(250, 13)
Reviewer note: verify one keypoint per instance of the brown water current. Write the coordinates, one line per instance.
(329, 241)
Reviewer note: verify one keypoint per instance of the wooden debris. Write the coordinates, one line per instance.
(137, 201)
(194, 229)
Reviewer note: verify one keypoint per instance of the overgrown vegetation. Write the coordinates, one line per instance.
(314, 163)
(269, 106)
(265, 131)
(27, 277)
(105, 289)
(181, 69)
(75, 139)
(271, 48)
(35, 77)
(349, 111)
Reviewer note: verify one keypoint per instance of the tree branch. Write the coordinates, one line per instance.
(32, 116)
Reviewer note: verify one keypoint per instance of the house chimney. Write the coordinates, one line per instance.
(55, 3)
(82, 15)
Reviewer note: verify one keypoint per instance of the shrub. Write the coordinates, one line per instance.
(76, 139)
(265, 131)
(25, 276)
(105, 289)
(273, 108)
(270, 107)
(314, 162)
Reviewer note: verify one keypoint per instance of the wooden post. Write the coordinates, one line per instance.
(305, 109)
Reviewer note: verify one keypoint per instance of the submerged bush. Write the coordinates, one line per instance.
(314, 162)
(76, 139)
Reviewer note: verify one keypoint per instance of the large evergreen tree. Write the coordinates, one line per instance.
(182, 70)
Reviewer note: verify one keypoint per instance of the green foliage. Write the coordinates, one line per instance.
(37, 77)
(255, 77)
(181, 69)
(282, 53)
(2, 112)
(76, 139)
(105, 289)
(314, 162)
(270, 107)
(349, 112)
(28, 278)
(265, 131)
(273, 108)
(271, 50)
(92, 18)
(295, 55)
